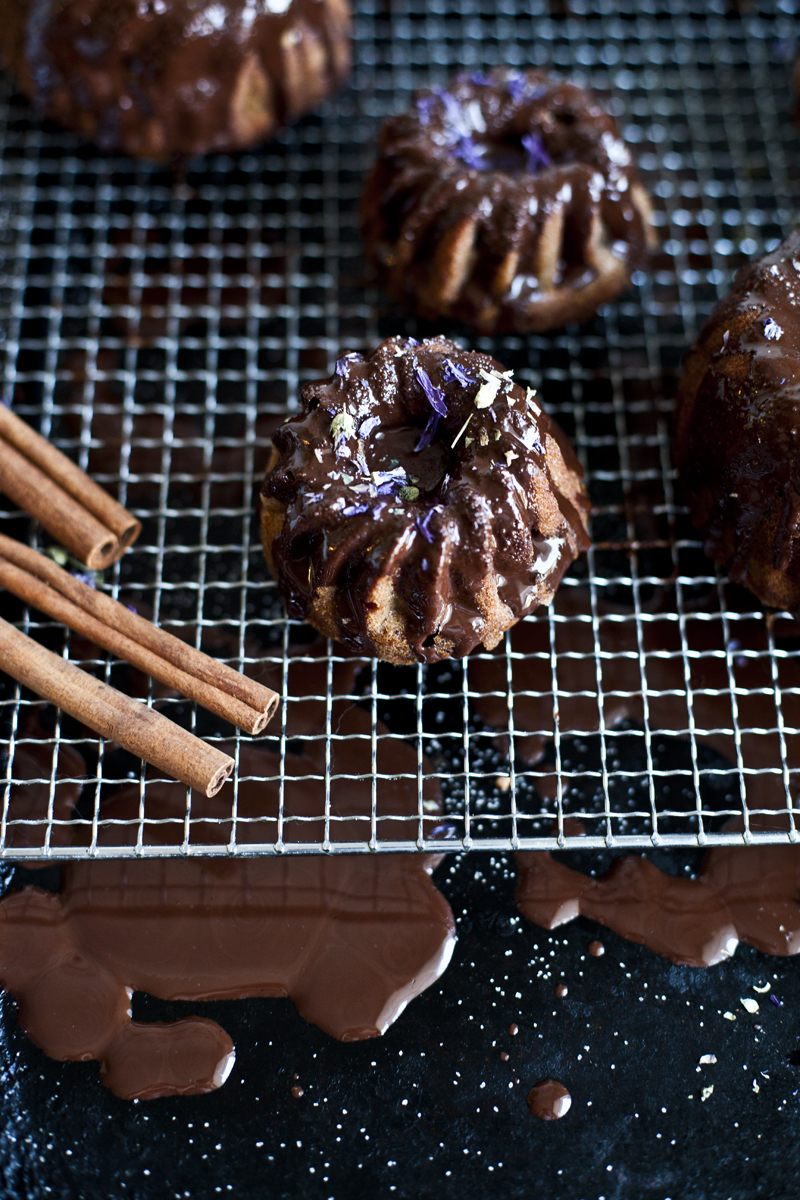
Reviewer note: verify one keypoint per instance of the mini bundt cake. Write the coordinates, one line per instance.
(737, 429)
(173, 78)
(507, 201)
(420, 503)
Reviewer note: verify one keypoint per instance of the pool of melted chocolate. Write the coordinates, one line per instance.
(351, 939)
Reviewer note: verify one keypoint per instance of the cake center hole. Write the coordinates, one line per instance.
(514, 155)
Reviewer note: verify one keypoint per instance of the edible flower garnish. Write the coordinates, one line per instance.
(772, 330)
(457, 373)
(435, 395)
(488, 390)
(367, 426)
(341, 363)
(537, 157)
(428, 433)
(423, 523)
(355, 510)
(342, 427)
(461, 430)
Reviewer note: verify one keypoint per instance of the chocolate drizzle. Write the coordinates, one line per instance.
(737, 427)
(434, 529)
(351, 939)
(174, 78)
(507, 201)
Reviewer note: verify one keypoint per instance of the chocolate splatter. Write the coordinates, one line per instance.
(549, 1100)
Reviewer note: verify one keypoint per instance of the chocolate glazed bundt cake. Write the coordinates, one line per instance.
(507, 201)
(173, 78)
(737, 429)
(420, 503)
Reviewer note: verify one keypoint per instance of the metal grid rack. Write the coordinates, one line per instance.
(156, 327)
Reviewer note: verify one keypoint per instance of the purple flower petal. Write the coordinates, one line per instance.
(423, 523)
(480, 80)
(457, 374)
(775, 1000)
(469, 153)
(452, 109)
(355, 510)
(434, 394)
(516, 87)
(368, 425)
(537, 157)
(428, 433)
(341, 363)
(424, 106)
(89, 580)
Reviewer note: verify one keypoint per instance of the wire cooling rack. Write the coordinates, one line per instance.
(157, 326)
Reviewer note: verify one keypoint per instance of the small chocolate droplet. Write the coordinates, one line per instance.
(561, 989)
(596, 949)
(549, 1100)
(504, 1056)
(513, 1029)
(297, 1091)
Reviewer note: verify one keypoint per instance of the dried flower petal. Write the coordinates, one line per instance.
(456, 373)
(537, 158)
(435, 395)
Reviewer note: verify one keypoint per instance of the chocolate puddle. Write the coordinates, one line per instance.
(742, 893)
(350, 939)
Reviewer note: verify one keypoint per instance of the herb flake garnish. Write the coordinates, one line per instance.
(408, 494)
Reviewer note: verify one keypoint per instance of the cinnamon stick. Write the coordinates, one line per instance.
(62, 497)
(117, 717)
(212, 684)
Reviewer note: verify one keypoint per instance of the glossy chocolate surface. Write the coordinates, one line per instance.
(542, 169)
(166, 78)
(741, 894)
(428, 466)
(737, 439)
(350, 939)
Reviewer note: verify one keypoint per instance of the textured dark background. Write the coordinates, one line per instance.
(704, 93)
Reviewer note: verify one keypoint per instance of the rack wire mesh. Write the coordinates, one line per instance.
(157, 326)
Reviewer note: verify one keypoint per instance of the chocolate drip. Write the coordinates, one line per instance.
(175, 78)
(420, 503)
(737, 426)
(549, 1100)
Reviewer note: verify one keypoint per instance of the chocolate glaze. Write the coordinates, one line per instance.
(411, 551)
(350, 939)
(549, 1100)
(737, 429)
(742, 894)
(166, 78)
(508, 201)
